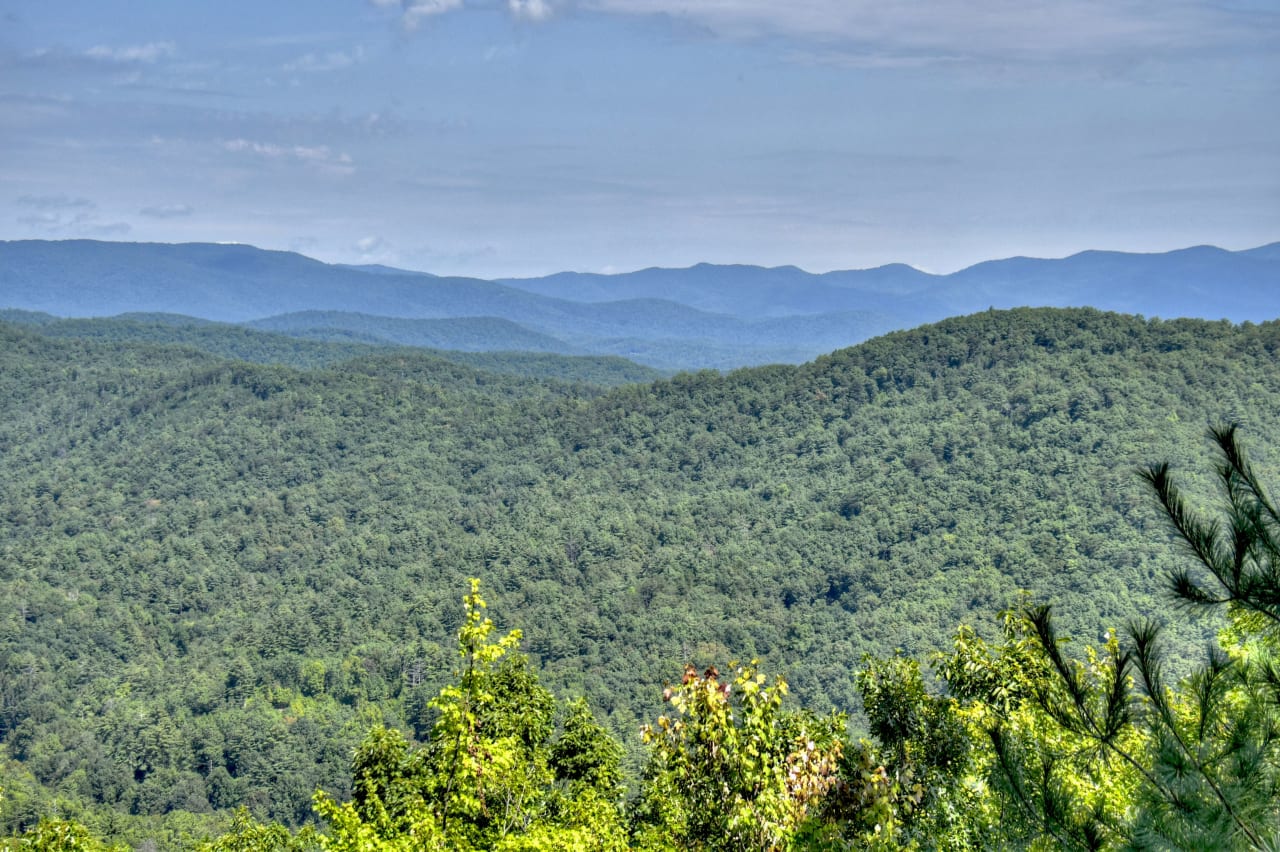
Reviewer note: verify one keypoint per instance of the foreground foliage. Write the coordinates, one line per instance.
(730, 768)
(1105, 752)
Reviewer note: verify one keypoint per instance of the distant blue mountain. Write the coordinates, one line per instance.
(703, 316)
(745, 291)
(1203, 281)
(228, 283)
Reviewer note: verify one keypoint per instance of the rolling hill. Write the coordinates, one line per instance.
(221, 573)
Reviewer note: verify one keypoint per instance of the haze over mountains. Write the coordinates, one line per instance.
(702, 316)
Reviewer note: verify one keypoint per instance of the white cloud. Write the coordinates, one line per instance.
(374, 249)
(532, 10)
(333, 61)
(413, 12)
(320, 156)
(416, 10)
(147, 53)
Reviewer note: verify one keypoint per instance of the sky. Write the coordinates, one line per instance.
(508, 138)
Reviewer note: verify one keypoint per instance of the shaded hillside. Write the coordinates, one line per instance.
(219, 573)
(465, 334)
(662, 334)
(317, 348)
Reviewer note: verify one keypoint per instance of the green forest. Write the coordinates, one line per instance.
(269, 593)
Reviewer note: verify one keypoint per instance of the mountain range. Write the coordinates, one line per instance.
(716, 316)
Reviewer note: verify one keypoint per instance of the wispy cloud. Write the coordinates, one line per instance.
(319, 156)
(145, 53)
(54, 202)
(373, 249)
(532, 10)
(166, 211)
(414, 12)
(874, 33)
(66, 215)
(332, 61)
(879, 34)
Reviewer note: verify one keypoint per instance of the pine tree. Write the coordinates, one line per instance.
(1205, 752)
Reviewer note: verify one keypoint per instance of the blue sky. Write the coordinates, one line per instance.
(521, 137)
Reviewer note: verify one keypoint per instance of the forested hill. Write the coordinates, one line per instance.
(218, 574)
(324, 347)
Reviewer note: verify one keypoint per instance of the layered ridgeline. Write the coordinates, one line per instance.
(287, 292)
(326, 347)
(218, 575)
(705, 316)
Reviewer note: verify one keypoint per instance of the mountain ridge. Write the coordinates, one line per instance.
(706, 315)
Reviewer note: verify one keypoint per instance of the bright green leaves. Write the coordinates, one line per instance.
(248, 835)
(478, 653)
(57, 835)
(1060, 746)
(730, 769)
(484, 768)
(490, 776)
(919, 787)
(1100, 751)
(350, 832)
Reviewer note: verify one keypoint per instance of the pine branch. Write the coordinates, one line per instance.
(1203, 539)
(1043, 813)
(1145, 638)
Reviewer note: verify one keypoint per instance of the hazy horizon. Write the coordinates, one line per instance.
(518, 138)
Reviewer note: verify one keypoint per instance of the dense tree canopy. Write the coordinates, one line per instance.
(219, 576)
